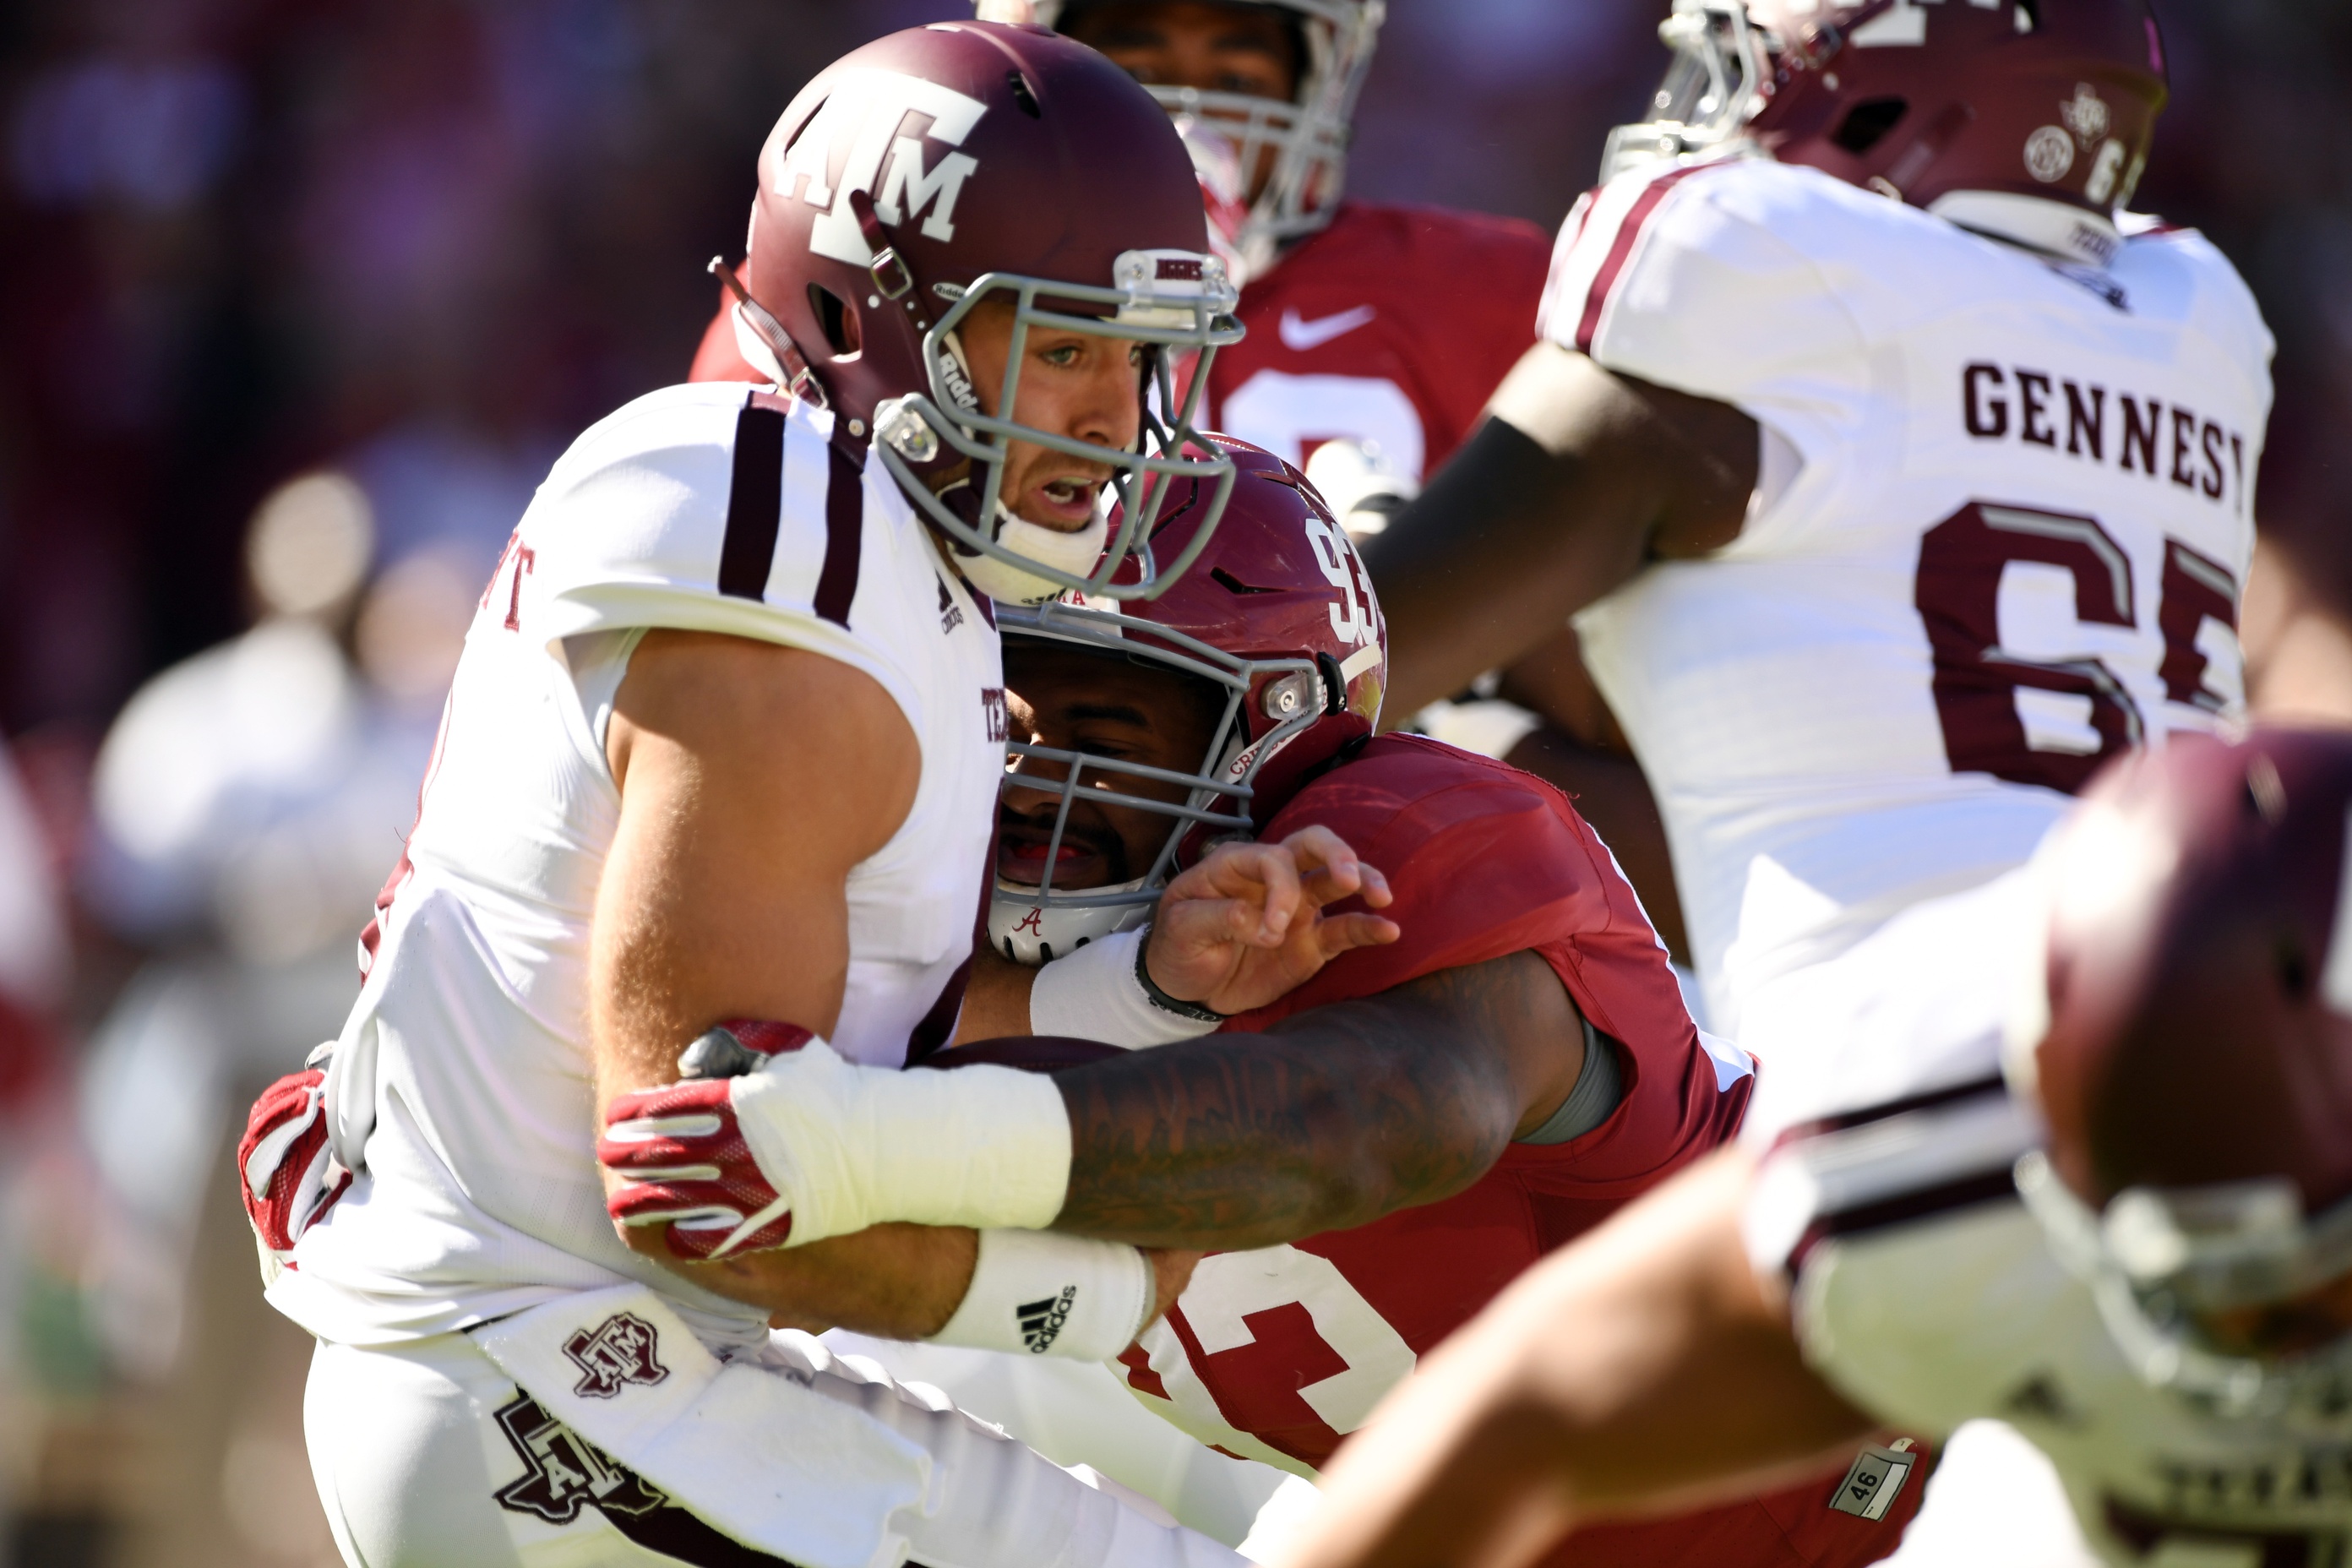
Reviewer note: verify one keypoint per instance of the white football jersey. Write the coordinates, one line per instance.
(461, 1087)
(1927, 1294)
(2004, 512)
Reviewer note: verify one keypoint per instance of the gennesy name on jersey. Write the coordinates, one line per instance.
(2071, 414)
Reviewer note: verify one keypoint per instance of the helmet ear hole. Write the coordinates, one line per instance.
(834, 319)
(1867, 123)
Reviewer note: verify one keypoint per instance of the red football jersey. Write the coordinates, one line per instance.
(1394, 325)
(1275, 1353)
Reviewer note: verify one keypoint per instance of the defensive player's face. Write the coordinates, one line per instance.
(1245, 49)
(1106, 707)
(1072, 383)
(1193, 43)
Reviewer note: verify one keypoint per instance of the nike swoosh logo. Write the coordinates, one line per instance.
(1299, 335)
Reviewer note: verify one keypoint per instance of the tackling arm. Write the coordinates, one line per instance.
(1326, 1122)
(1643, 1367)
(1577, 478)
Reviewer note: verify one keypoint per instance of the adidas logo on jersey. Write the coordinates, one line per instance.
(1041, 1322)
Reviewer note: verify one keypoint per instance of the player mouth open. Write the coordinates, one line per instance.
(1065, 500)
(1089, 856)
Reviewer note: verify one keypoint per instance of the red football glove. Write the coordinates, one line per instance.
(288, 1174)
(689, 1164)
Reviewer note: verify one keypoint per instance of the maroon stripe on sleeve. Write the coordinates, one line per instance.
(1605, 280)
(1992, 1085)
(1964, 1192)
(845, 527)
(755, 497)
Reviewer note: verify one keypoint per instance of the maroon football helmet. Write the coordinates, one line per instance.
(2195, 1062)
(1920, 98)
(1279, 613)
(964, 162)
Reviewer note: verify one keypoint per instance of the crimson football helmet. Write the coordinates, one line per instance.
(2193, 1063)
(1230, 133)
(966, 162)
(1935, 102)
(1278, 613)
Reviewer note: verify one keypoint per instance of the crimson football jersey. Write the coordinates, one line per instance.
(1392, 325)
(1276, 1352)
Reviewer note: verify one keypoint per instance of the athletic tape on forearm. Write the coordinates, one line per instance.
(855, 1146)
(1093, 994)
(1035, 1293)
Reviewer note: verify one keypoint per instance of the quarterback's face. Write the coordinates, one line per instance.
(1078, 384)
(1103, 706)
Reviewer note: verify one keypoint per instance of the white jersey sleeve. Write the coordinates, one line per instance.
(1683, 279)
(461, 1092)
(669, 513)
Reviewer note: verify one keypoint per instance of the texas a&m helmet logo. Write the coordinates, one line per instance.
(617, 1352)
(861, 121)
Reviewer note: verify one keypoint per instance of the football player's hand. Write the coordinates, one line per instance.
(1246, 926)
(689, 1184)
(774, 1140)
(286, 1174)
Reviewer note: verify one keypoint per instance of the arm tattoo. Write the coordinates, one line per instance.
(1327, 1121)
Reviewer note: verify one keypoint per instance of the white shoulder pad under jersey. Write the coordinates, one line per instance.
(711, 507)
(1927, 1294)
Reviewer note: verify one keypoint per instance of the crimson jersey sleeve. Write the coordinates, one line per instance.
(1392, 325)
(1485, 861)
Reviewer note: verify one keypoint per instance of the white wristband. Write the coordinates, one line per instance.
(847, 1146)
(1093, 994)
(1036, 1293)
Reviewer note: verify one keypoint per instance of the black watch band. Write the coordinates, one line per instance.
(1161, 999)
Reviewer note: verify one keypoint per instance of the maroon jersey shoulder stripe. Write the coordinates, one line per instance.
(845, 526)
(1621, 246)
(755, 499)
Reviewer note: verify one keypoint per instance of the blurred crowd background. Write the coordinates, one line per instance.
(296, 302)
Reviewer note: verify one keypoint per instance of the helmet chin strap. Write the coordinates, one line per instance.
(1030, 932)
(1009, 584)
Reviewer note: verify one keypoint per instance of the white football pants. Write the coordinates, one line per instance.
(427, 1455)
(1080, 1412)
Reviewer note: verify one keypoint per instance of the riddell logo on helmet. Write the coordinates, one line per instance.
(861, 122)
